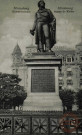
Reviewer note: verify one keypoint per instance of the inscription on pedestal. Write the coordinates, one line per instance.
(42, 80)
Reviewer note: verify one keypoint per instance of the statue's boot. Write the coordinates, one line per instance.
(48, 49)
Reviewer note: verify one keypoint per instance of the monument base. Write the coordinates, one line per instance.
(42, 83)
(43, 103)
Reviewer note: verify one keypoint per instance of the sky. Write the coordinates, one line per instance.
(15, 26)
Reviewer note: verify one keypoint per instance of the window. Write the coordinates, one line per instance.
(60, 87)
(18, 59)
(69, 82)
(69, 59)
(80, 58)
(80, 74)
(81, 69)
(69, 73)
(61, 82)
(61, 74)
(80, 81)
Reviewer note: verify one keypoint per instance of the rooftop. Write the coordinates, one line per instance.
(17, 50)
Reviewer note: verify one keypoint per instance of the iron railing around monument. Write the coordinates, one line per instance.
(33, 123)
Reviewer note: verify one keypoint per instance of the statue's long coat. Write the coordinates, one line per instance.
(52, 28)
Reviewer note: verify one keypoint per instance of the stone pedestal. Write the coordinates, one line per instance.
(42, 82)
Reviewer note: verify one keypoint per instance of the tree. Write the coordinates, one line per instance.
(67, 97)
(11, 93)
(79, 99)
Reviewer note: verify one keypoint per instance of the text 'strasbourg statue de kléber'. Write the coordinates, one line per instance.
(44, 28)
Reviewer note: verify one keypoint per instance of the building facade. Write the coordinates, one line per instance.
(70, 76)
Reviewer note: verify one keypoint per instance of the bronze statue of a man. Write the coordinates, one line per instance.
(45, 28)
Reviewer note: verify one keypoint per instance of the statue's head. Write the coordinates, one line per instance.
(41, 4)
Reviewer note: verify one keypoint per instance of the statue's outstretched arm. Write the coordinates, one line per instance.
(34, 26)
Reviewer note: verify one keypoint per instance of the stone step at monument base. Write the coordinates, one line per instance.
(34, 108)
(49, 103)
